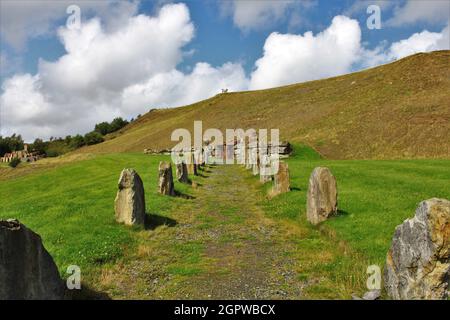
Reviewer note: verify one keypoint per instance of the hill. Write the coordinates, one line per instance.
(398, 110)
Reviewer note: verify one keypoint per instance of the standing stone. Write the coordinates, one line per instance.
(281, 179)
(321, 201)
(27, 271)
(191, 165)
(130, 199)
(182, 173)
(265, 170)
(418, 262)
(166, 179)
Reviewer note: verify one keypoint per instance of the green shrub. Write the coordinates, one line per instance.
(14, 162)
(93, 138)
(52, 153)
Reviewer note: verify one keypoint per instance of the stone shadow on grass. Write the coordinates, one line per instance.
(153, 221)
(183, 195)
(342, 213)
(86, 293)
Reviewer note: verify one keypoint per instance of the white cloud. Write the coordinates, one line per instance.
(108, 73)
(430, 11)
(424, 41)
(258, 14)
(290, 58)
(24, 19)
(175, 88)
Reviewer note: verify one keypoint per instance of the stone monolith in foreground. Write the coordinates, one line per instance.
(27, 271)
(418, 262)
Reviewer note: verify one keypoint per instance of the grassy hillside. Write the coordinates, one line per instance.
(398, 110)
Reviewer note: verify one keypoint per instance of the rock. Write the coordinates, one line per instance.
(182, 173)
(321, 202)
(418, 262)
(369, 295)
(281, 181)
(27, 271)
(372, 295)
(129, 204)
(166, 179)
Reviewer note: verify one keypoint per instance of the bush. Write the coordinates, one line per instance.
(52, 153)
(117, 124)
(14, 162)
(77, 141)
(103, 128)
(93, 138)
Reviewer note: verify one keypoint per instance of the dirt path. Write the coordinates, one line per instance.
(221, 247)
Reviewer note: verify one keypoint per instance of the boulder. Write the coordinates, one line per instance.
(321, 202)
(166, 179)
(182, 173)
(418, 262)
(281, 180)
(129, 204)
(27, 271)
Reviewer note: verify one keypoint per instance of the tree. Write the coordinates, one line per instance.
(93, 138)
(77, 141)
(14, 162)
(117, 124)
(39, 145)
(68, 140)
(9, 144)
(103, 128)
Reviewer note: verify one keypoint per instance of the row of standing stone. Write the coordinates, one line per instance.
(418, 261)
(129, 204)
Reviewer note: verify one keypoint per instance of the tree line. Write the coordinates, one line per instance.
(57, 146)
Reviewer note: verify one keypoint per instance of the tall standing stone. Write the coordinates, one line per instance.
(182, 173)
(191, 165)
(166, 179)
(281, 179)
(130, 199)
(265, 170)
(27, 271)
(418, 262)
(321, 201)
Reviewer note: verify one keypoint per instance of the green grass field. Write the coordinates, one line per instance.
(72, 207)
(374, 196)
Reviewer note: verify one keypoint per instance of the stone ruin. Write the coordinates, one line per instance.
(23, 155)
(418, 262)
(129, 204)
(321, 202)
(27, 271)
(166, 186)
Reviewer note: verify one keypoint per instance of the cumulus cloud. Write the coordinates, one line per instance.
(430, 11)
(290, 58)
(424, 41)
(24, 19)
(175, 88)
(104, 73)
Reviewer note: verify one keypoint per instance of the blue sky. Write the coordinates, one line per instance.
(47, 89)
